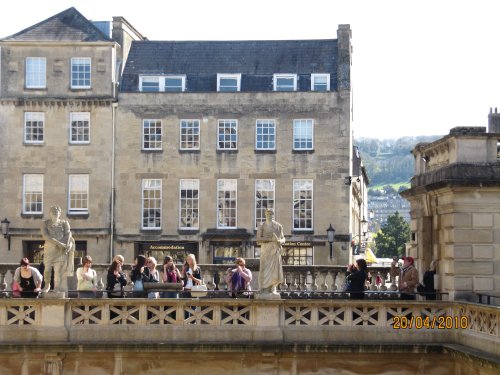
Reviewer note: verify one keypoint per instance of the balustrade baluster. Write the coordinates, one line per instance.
(314, 286)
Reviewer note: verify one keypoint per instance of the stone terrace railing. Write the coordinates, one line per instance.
(249, 322)
(314, 278)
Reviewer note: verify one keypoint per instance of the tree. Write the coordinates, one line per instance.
(391, 239)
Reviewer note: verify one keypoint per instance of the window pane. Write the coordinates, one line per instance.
(173, 84)
(264, 199)
(303, 134)
(226, 203)
(34, 127)
(80, 127)
(33, 193)
(152, 131)
(265, 135)
(36, 72)
(227, 135)
(150, 84)
(321, 82)
(302, 204)
(80, 72)
(190, 135)
(189, 203)
(78, 193)
(151, 204)
(285, 83)
(228, 84)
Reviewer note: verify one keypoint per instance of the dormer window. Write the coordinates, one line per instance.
(285, 82)
(228, 82)
(320, 82)
(162, 83)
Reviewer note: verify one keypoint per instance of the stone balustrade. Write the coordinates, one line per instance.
(248, 322)
(313, 278)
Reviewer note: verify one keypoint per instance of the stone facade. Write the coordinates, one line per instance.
(455, 210)
(114, 163)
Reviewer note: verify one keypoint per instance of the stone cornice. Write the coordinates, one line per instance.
(64, 102)
(456, 175)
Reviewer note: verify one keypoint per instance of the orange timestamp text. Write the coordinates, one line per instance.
(430, 322)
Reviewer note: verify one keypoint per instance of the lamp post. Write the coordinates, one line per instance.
(5, 231)
(330, 233)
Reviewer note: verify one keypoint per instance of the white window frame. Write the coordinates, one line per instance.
(298, 200)
(78, 191)
(300, 133)
(162, 82)
(150, 79)
(318, 75)
(36, 192)
(83, 118)
(189, 124)
(39, 119)
(223, 125)
(190, 218)
(237, 77)
(36, 72)
(155, 184)
(156, 147)
(227, 213)
(262, 203)
(269, 124)
(81, 61)
(284, 75)
(181, 77)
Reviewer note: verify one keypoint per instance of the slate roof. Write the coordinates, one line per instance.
(69, 25)
(257, 61)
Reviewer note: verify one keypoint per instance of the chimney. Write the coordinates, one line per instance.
(494, 121)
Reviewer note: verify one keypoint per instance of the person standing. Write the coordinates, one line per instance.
(408, 279)
(59, 250)
(356, 276)
(238, 279)
(29, 279)
(139, 275)
(154, 275)
(171, 274)
(191, 273)
(116, 280)
(271, 239)
(87, 279)
(428, 281)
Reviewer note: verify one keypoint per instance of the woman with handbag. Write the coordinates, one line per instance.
(139, 275)
(115, 280)
(28, 280)
(191, 274)
(171, 274)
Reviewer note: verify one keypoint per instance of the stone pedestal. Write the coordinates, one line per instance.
(53, 295)
(267, 296)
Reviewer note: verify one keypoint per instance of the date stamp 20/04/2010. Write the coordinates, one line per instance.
(430, 322)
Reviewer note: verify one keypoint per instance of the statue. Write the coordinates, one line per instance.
(59, 250)
(270, 237)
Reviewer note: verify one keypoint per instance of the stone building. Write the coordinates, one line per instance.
(176, 147)
(455, 209)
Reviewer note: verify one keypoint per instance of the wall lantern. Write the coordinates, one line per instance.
(5, 231)
(330, 233)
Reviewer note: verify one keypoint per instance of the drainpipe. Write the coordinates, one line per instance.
(112, 206)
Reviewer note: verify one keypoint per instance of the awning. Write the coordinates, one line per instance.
(369, 256)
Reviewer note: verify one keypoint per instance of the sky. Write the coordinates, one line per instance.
(418, 67)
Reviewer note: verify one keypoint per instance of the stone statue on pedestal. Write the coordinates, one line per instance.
(270, 237)
(59, 250)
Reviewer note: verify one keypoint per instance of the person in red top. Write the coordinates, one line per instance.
(408, 279)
